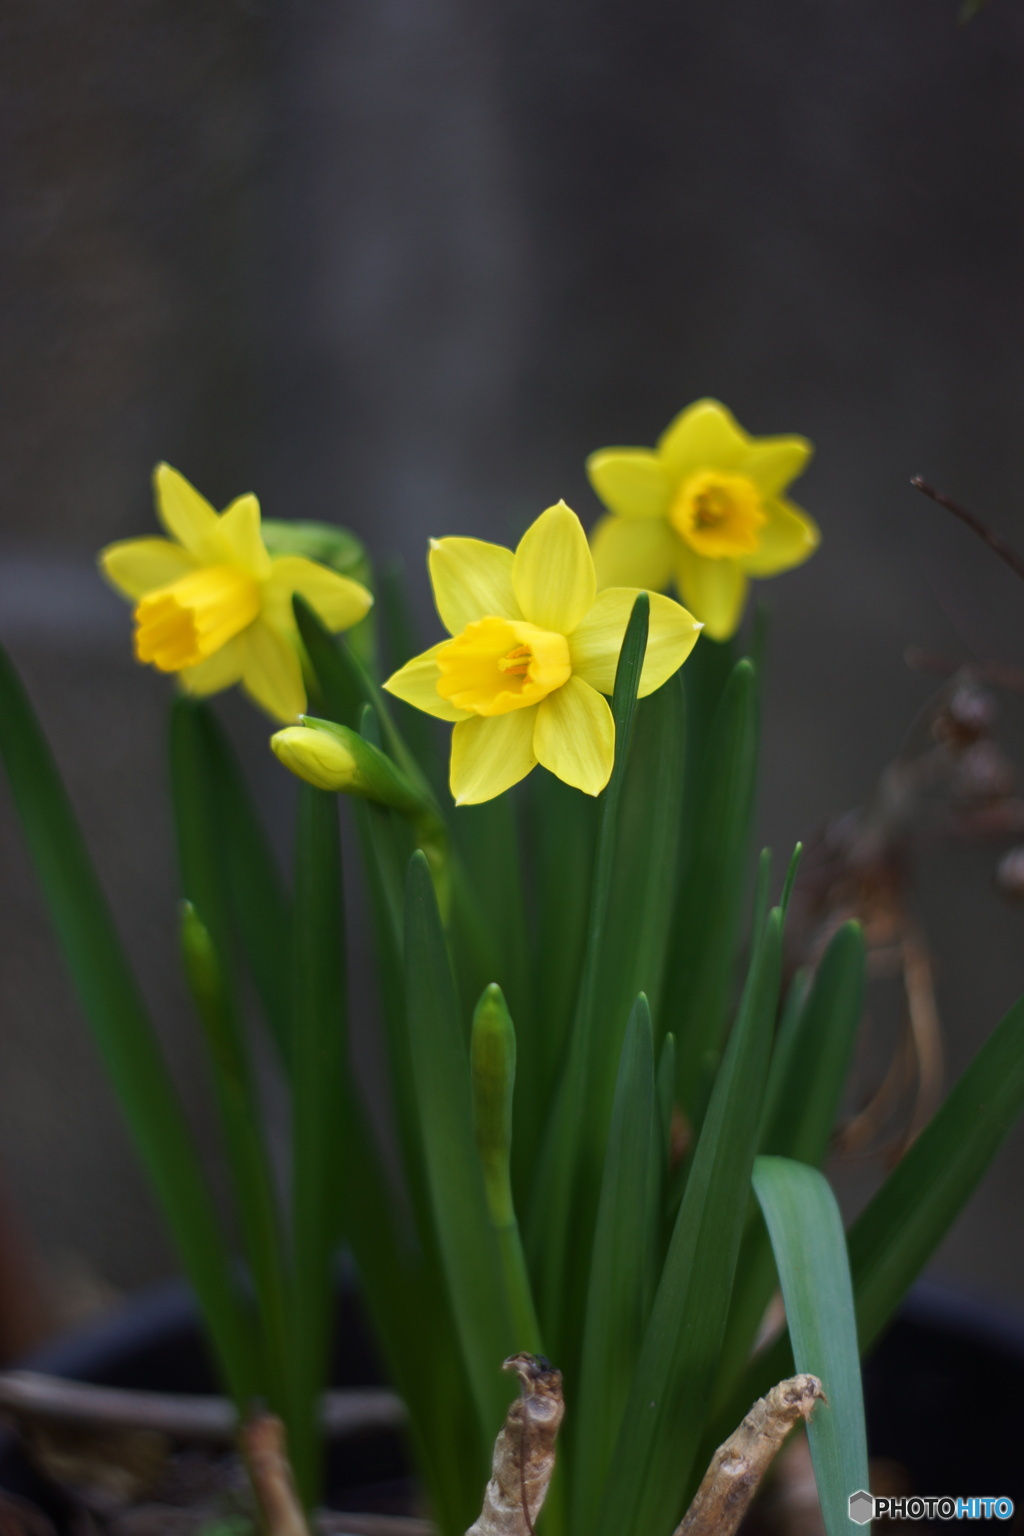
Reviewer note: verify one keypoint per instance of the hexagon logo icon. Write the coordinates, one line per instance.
(862, 1507)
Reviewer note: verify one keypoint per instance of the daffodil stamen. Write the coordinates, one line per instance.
(497, 665)
(517, 662)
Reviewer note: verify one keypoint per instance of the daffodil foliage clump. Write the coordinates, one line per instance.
(609, 1102)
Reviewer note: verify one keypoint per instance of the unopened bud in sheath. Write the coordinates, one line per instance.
(493, 1066)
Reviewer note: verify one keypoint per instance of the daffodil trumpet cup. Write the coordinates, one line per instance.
(591, 1065)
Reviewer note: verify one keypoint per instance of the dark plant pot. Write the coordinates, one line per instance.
(944, 1389)
(155, 1344)
(945, 1396)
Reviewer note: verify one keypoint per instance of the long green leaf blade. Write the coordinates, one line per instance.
(711, 898)
(899, 1230)
(653, 1465)
(622, 1266)
(248, 1157)
(111, 1001)
(811, 1061)
(806, 1230)
(318, 1044)
(441, 1072)
(805, 1085)
(259, 904)
(558, 1228)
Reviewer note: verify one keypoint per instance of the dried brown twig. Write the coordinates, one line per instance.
(994, 540)
(524, 1452)
(265, 1453)
(739, 1464)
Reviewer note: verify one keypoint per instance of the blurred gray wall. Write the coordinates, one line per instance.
(404, 264)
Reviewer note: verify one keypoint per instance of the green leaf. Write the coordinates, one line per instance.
(111, 1001)
(251, 1174)
(493, 1075)
(559, 1230)
(712, 895)
(806, 1230)
(319, 1052)
(258, 900)
(894, 1237)
(346, 686)
(812, 1057)
(408, 1305)
(899, 1230)
(652, 1468)
(644, 882)
(561, 838)
(666, 1092)
(488, 840)
(441, 1080)
(810, 1062)
(621, 1269)
(197, 823)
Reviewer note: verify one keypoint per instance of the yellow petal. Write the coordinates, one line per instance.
(575, 736)
(630, 481)
(187, 516)
(339, 601)
(138, 566)
(489, 755)
(704, 436)
(633, 553)
(715, 591)
(595, 645)
(553, 571)
(218, 671)
(416, 683)
(472, 580)
(772, 462)
(271, 671)
(239, 529)
(789, 538)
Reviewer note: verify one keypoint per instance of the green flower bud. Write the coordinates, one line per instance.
(493, 1069)
(332, 757)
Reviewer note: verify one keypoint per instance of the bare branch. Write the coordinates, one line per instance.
(738, 1465)
(32, 1396)
(993, 539)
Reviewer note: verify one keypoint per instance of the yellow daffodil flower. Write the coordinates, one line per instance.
(533, 648)
(705, 508)
(215, 607)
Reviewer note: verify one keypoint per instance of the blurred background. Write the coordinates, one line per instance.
(403, 264)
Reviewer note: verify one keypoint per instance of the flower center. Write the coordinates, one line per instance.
(496, 665)
(180, 625)
(718, 515)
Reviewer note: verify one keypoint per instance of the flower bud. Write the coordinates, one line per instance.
(315, 757)
(332, 757)
(493, 1071)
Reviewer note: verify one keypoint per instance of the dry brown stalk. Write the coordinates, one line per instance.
(264, 1450)
(524, 1452)
(739, 1464)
